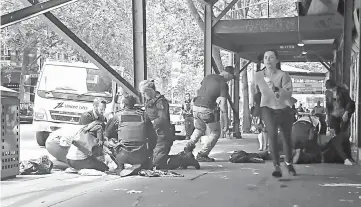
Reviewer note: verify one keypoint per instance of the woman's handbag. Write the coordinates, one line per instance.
(87, 141)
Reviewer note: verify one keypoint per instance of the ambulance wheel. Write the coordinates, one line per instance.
(41, 138)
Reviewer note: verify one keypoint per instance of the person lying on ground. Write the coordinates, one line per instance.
(338, 149)
(305, 133)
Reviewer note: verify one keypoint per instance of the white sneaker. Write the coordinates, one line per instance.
(348, 162)
(71, 170)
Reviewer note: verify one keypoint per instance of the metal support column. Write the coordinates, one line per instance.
(347, 42)
(358, 97)
(338, 68)
(208, 14)
(58, 27)
(236, 120)
(139, 41)
(230, 86)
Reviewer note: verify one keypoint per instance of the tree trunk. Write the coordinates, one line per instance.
(24, 71)
(246, 125)
(216, 53)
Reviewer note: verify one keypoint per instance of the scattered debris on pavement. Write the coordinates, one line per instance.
(118, 189)
(254, 171)
(71, 170)
(343, 200)
(158, 173)
(91, 172)
(134, 191)
(244, 157)
(340, 185)
(40, 166)
(225, 177)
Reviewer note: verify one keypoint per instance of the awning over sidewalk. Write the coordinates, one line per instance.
(252, 36)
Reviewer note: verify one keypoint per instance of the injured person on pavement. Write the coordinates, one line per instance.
(305, 135)
(132, 139)
(338, 149)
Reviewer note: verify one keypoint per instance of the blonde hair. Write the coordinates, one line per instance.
(146, 84)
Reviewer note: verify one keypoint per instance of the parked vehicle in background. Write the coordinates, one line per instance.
(26, 112)
(65, 91)
(177, 120)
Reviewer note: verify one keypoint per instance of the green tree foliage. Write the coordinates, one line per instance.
(173, 35)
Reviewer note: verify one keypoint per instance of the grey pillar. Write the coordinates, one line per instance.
(208, 13)
(139, 41)
(236, 91)
(347, 42)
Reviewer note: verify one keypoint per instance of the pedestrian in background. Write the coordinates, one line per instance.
(187, 113)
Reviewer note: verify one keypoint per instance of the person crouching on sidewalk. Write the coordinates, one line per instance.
(211, 101)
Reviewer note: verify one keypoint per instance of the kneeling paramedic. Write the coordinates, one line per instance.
(157, 108)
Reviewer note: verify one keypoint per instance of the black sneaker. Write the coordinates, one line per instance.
(189, 160)
(277, 173)
(291, 169)
(189, 147)
(204, 158)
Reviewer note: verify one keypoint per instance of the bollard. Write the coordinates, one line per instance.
(10, 133)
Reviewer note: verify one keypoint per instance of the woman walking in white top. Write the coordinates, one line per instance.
(275, 86)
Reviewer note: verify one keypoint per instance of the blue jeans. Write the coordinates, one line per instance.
(201, 124)
(283, 119)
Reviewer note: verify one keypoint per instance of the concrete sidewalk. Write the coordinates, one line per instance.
(219, 183)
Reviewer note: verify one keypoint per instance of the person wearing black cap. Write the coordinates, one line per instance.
(211, 101)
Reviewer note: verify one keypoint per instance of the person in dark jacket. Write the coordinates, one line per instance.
(339, 147)
(157, 109)
(99, 105)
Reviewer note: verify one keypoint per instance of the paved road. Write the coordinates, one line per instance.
(29, 148)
